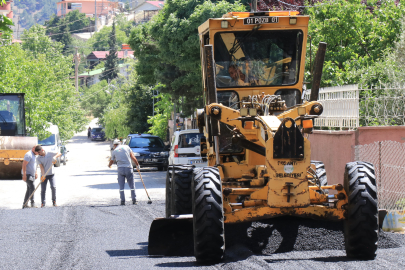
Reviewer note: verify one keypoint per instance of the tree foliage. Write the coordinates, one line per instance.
(357, 33)
(168, 47)
(42, 73)
(99, 41)
(96, 99)
(111, 63)
(158, 122)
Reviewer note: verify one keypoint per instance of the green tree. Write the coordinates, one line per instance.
(168, 51)
(96, 99)
(49, 93)
(140, 108)
(36, 41)
(357, 34)
(99, 41)
(111, 63)
(159, 121)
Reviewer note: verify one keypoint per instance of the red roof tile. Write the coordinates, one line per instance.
(158, 4)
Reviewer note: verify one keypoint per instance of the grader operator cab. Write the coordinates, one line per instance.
(256, 126)
(13, 141)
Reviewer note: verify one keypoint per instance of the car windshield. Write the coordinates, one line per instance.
(189, 140)
(257, 58)
(48, 141)
(147, 142)
(97, 130)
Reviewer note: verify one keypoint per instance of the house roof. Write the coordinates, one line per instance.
(79, 1)
(103, 54)
(98, 71)
(158, 4)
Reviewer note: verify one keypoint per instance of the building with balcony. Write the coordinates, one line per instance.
(88, 7)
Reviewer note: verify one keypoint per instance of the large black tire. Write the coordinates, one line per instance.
(208, 215)
(168, 192)
(321, 173)
(361, 224)
(181, 203)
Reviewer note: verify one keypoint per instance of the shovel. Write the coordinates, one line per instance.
(150, 201)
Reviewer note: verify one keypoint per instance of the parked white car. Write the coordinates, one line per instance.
(185, 148)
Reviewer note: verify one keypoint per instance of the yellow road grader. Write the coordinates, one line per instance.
(13, 140)
(256, 127)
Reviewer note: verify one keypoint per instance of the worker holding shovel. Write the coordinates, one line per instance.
(122, 154)
(29, 173)
(46, 160)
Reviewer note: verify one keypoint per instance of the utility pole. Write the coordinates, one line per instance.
(95, 15)
(76, 70)
(18, 27)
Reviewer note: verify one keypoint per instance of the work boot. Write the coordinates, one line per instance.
(33, 205)
(42, 205)
(134, 202)
(122, 202)
(27, 206)
(54, 203)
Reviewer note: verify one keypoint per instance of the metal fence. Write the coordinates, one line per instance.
(388, 158)
(348, 107)
(340, 106)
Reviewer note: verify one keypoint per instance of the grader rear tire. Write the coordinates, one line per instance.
(168, 203)
(361, 225)
(181, 190)
(208, 215)
(321, 173)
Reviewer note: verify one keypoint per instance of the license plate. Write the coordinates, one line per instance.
(150, 160)
(260, 20)
(198, 161)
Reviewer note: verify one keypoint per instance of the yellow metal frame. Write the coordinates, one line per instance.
(260, 187)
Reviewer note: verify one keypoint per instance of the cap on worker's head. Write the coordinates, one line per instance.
(116, 142)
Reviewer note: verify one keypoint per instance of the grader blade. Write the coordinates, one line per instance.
(171, 236)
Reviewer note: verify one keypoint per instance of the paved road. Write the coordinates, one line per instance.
(90, 231)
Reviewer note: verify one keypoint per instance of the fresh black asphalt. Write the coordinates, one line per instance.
(116, 237)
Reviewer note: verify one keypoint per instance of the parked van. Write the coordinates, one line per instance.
(53, 143)
(185, 148)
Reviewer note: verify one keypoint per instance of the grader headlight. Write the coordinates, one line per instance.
(301, 111)
(252, 111)
(244, 111)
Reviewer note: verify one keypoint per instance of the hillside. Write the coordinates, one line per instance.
(32, 11)
(37, 11)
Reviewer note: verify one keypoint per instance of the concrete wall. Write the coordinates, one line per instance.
(336, 148)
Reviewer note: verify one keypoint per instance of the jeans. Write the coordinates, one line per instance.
(127, 173)
(52, 182)
(30, 188)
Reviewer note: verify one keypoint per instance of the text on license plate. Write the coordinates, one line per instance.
(150, 160)
(198, 161)
(260, 20)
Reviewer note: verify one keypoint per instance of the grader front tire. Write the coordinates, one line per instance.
(208, 216)
(361, 225)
